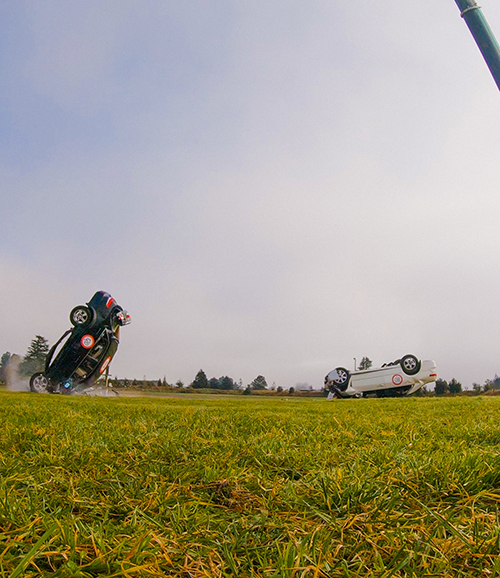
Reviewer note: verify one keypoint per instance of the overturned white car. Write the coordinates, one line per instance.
(401, 377)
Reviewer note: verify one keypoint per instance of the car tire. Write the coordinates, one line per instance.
(410, 364)
(80, 316)
(39, 383)
(343, 380)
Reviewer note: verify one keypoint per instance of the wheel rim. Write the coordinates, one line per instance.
(410, 364)
(80, 316)
(40, 383)
(342, 377)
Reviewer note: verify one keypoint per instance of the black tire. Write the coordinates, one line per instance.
(80, 316)
(410, 364)
(343, 380)
(39, 383)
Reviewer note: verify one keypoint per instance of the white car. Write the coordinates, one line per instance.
(401, 377)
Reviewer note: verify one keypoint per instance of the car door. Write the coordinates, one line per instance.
(369, 380)
(395, 377)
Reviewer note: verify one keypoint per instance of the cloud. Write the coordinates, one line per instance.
(269, 189)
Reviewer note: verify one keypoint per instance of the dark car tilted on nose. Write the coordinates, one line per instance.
(89, 347)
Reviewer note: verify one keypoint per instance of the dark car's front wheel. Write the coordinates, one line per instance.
(410, 364)
(39, 383)
(80, 316)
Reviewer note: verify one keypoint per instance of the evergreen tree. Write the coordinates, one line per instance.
(441, 387)
(38, 348)
(213, 383)
(34, 360)
(200, 381)
(259, 383)
(454, 386)
(226, 383)
(365, 363)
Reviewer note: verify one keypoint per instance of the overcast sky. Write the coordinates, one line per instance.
(268, 187)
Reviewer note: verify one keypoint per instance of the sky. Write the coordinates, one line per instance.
(269, 188)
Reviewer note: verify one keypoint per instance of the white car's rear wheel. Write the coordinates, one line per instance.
(342, 380)
(410, 364)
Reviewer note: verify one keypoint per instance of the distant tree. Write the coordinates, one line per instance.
(34, 360)
(200, 381)
(279, 389)
(226, 383)
(477, 387)
(38, 349)
(179, 384)
(259, 383)
(213, 383)
(4, 364)
(365, 363)
(291, 391)
(159, 383)
(454, 386)
(247, 390)
(488, 384)
(441, 387)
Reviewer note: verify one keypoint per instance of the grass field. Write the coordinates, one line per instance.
(249, 487)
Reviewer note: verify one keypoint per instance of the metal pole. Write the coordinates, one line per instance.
(483, 35)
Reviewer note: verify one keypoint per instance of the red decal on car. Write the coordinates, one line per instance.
(87, 341)
(397, 379)
(105, 364)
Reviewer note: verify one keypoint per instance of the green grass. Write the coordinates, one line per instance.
(249, 487)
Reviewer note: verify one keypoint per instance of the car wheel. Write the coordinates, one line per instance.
(80, 316)
(410, 364)
(39, 383)
(343, 378)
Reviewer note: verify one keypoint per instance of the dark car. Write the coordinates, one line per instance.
(85, 350)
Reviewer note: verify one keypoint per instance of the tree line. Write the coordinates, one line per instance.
(226, 383)
(13, 366)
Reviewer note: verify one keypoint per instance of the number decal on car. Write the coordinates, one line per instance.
(87, 341)
(397, 379)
